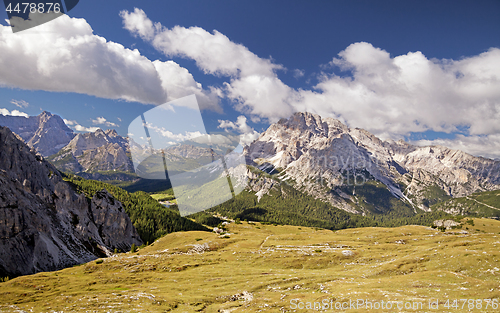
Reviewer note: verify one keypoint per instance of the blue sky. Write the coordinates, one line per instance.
(424, 71)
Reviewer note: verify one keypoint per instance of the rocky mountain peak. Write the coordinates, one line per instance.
(308, 148)
(93, 152)
(47, 132)
(111, 133)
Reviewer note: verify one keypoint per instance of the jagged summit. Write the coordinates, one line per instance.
(307, 148)
(46, 132)
(91, 152)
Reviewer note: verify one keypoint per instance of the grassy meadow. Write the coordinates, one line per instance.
(268, 268)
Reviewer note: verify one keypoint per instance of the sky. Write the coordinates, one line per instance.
(427, 72)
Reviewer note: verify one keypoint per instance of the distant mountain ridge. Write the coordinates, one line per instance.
(47, 132)
(333, 162)
(94, 152)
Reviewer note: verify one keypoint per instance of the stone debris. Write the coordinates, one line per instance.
(347, 253)
(245, 296)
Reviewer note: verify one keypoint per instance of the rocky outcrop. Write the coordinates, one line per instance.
(112, 222)
(94, 152)
(321, 155)
(47, 132)
(44, 224)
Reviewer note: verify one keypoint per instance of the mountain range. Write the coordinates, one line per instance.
(98, 155)
(90, 154)
(350, 167)
(47, 132)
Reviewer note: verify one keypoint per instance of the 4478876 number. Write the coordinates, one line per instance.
(471, 304)
(34, 7)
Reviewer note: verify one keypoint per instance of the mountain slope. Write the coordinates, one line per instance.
(47, 132)
(330, 161)
(482, 203)
(44, 224)
(151, 219)
(268, 199)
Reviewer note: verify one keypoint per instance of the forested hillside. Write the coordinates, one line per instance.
(151, 219)
(481, 203)
(287, 206)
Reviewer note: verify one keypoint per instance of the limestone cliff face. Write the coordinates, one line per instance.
(47, 132)
(44, 224)
(320, 155)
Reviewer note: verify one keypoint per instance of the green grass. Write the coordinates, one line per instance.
(274, 264)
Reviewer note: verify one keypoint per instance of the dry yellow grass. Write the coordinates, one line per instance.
(273, 268)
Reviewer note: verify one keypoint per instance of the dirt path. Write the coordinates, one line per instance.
(489, 206)
(263, 242)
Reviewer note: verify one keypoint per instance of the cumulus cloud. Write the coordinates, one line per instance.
(13, 113)
(298, 73)
(64, 55)
(74, 124)
(390, 96)
(20, 103)
(69, 122)
(248, 134)
(410, 93)
(81, 128)
(173, 136)
(102, 121)
(253, 84)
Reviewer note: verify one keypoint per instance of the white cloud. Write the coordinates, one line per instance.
(81, 128)
(170, 135)
(74, 124)
(390, 96)
(298, 73)
(20, 103)
(180, 83)
(215, 54)
(410, 93)
(248, 134)
(69, 122)
(13, 113)
(102, 121)
(64, 55)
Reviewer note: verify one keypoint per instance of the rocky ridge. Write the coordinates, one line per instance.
(44, 224)
(47, 132)
(93, 152)
(320, 156)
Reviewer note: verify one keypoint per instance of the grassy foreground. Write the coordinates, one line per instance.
(274, 269)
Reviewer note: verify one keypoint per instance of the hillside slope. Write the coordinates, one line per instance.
(44, 224)
(271, 268)
(483, 203)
